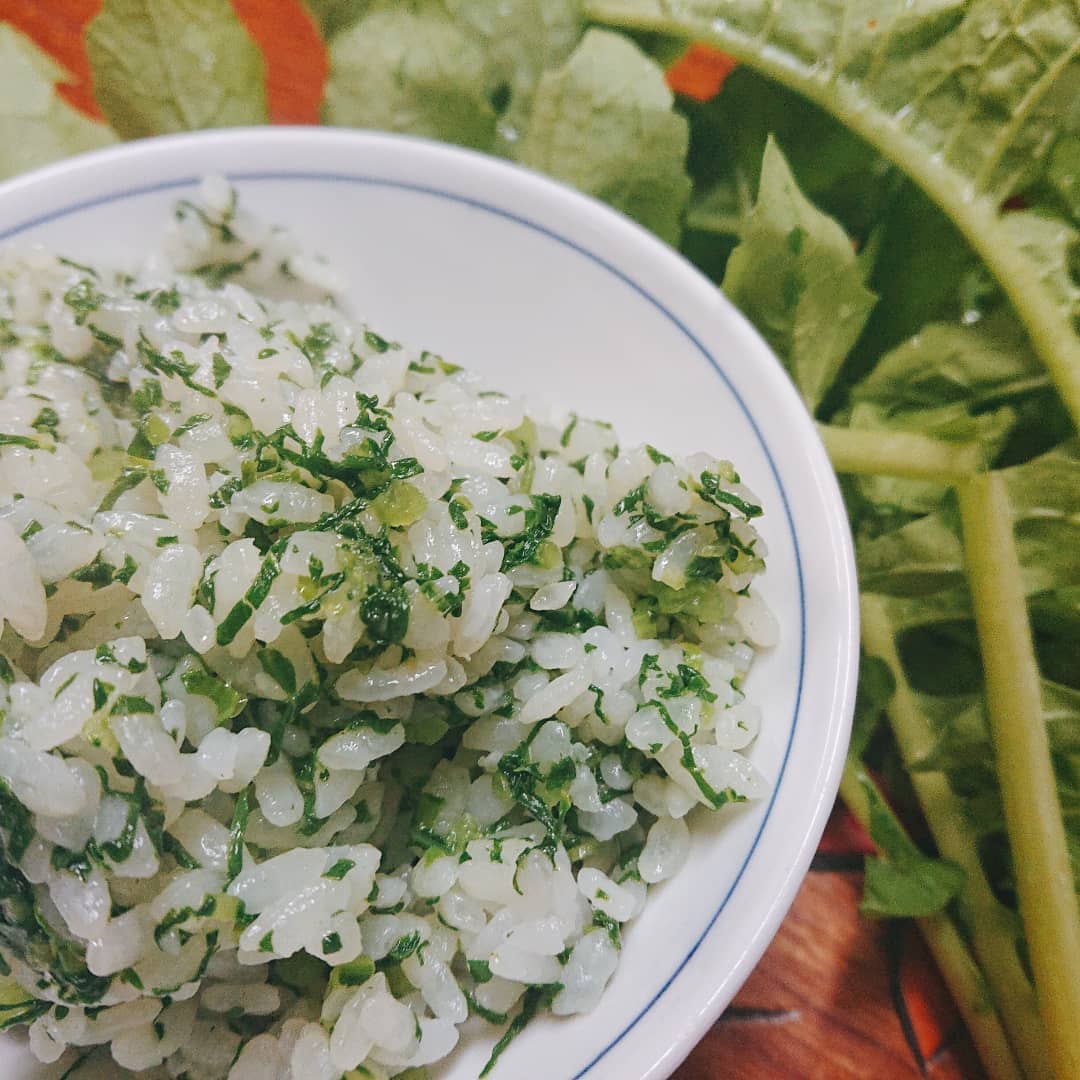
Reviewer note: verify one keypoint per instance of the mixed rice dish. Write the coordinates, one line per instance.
(345, 707)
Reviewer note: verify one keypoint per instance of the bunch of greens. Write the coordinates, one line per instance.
(892, 194)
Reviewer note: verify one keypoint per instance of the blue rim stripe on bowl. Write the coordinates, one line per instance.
(573, 245)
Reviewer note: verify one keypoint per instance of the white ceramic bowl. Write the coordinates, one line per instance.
(553, 295)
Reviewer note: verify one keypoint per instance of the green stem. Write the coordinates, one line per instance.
(991, 926)
(953, 958)
(1033, 817)
(898, 453)
(975, 215)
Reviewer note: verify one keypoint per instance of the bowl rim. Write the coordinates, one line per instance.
(680, 276)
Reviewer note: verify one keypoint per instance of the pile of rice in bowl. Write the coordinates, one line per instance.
(340, 700)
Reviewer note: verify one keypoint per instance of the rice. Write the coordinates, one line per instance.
(341, 698)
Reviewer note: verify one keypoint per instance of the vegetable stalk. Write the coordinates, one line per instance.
(990, 925)
(898, 453)
(953, 958)
(1025, 771)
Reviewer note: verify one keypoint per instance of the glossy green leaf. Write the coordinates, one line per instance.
(926, 555)
(904, 882)
(604, 123)
(415, 72)
(978, 365)
(836, 170)
(521, 39)
(965, 99)
(796, 277)
(174, 65)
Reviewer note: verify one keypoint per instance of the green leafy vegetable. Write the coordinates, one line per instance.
(924, 271)
(905, 882)
(174, 65)
(536, 998)
(414, 71)
(837, 171)
(227, 701)
(979, 365)
(521, 39)
(796, 276)
(405, 946)
(876, 686)
(943, 937)
(280, 668)
(993, 928)
(339, 869)
(386, 614)
(926, 555)
(969, 143)
(333, 16)
(539, 523)
(242, 611)
(37, 126)
(603, 122)
(236, 834)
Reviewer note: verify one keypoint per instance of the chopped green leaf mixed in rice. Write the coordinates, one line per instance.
(339, 698)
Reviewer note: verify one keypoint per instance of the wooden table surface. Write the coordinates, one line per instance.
(838, 996)
(835, 996)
